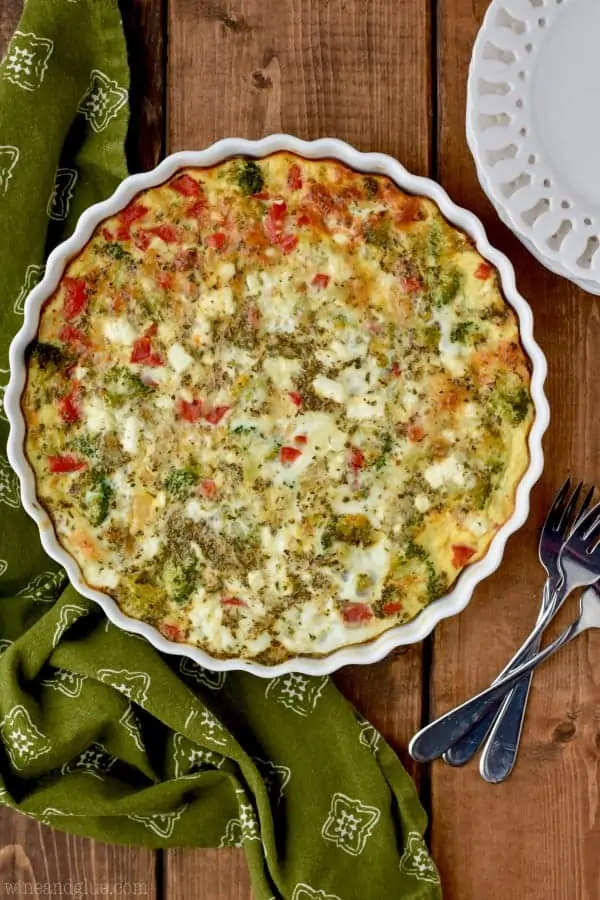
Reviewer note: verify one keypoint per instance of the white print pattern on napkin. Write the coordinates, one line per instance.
(350, 824)
(62, 194)
(26, 60)
(22, 739)
(9, 157)
(416, 860)
(102, 100)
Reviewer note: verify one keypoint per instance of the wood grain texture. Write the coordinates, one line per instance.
(143, 21)
(354, 70)
(533, 836)
(10, 12)
(38, 861)
(31, 854)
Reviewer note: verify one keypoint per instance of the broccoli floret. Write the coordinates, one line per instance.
(460, 332)
(47, 355)
(371, 187)
(180, 578)
(128, 383)
(386, 449)
(517, 404)
(103, 497)
(116, 251)
(354, 529)
(84, 445)
(179, 481)
(448, 285)
(437, 584)
(249, 177)
(378, 234)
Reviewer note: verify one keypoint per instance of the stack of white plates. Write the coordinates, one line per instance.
(533, 126)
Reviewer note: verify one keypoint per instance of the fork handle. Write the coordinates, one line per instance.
(432, 741)
(500, 752)
(463, 751)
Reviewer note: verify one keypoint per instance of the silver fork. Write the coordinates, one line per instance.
(579, 564)
(500, 752)
(554, 532)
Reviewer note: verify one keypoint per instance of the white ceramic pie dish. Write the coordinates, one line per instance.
(457, 599)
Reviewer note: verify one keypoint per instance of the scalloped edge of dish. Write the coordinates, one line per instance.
(553, 260)
(355, 654)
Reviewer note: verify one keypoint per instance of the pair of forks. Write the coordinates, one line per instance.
(570, 553)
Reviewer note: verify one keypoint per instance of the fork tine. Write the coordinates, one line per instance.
(593, 536)
(556, 510)
(567, 516)
(585, 505)
(586, 523)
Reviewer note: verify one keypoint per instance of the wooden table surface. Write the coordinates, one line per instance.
(385, 75)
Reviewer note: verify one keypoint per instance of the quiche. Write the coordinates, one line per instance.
(276, 406)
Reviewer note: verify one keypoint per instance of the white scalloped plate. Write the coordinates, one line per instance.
(534, 130)
(360, 654)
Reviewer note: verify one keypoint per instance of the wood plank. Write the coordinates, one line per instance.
(10, 12)
(143, 21)
(36, 860)
(32, 855)
(536, 835)
(345, 68)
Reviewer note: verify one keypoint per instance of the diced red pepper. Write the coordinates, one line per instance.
(301, 439)
(415, 433)
(302, 220)
(288, 243)
(393, 607)
(208, 488)
(296, 398)
(411, 285)
(106, 234)
(151, 330)
(289, 455)
(65, 463)
(127, 217)
(396, 370)
(483, 271)
(233, 601)
(196, 210)
(216, 240)
(68, 407)
(320, 280)
(167, 233)
(356, 613)
(73, 336)
(262, 195)
(216, 414)
(142, 240)
(294, 178)
(274, 221)
(461, 555)
(170, 631)
(132, 213)
(141, 352)
(357, 458)
(186, 185)
(191, 412)
(165, 280)
(75, 297)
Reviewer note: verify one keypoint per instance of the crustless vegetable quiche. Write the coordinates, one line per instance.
(275, 407)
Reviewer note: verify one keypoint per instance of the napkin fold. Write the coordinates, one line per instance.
(100, 735)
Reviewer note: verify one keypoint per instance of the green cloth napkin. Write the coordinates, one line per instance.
(100, 735)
